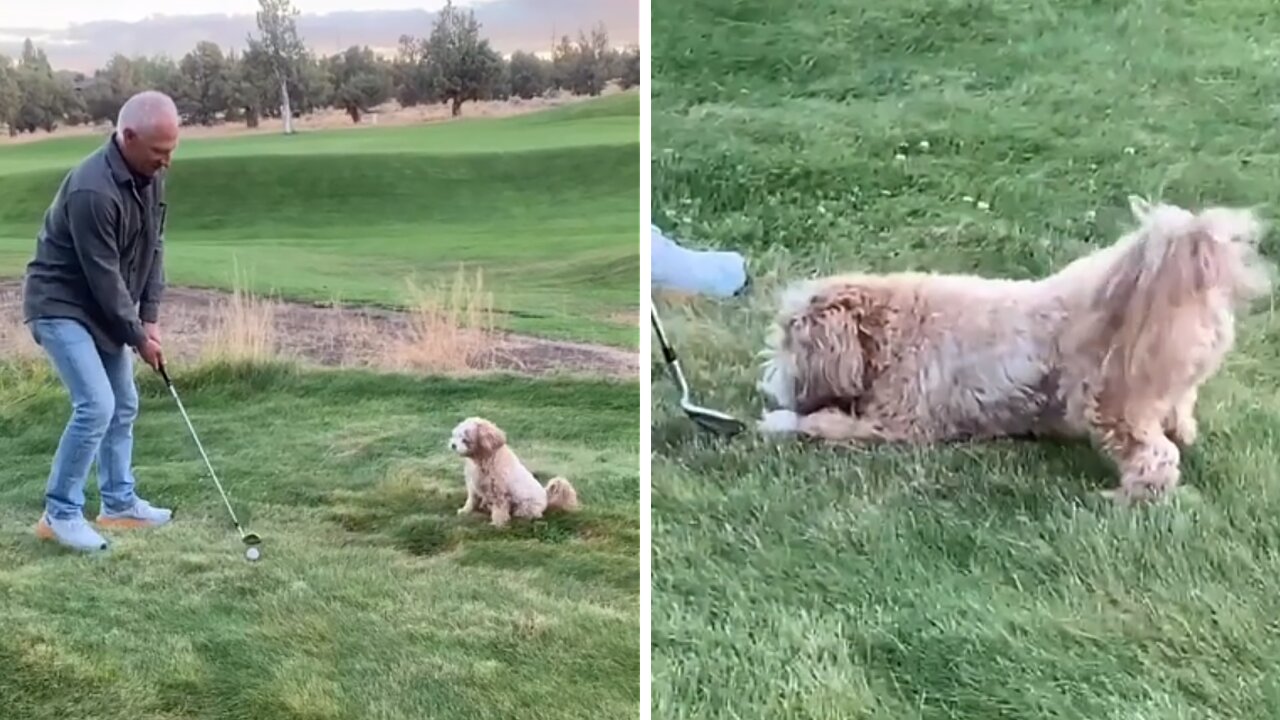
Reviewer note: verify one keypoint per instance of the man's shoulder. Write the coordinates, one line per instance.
(93, 174)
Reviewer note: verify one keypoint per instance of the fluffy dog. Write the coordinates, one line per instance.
(1112, 348)
(497, 482)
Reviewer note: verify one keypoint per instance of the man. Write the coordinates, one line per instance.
(91, 297)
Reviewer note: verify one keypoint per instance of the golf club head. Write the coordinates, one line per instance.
(251, 539)
(714, 421)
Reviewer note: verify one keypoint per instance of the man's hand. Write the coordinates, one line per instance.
(151, 352)
(153, 331)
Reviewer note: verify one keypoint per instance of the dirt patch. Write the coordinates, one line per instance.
(336, 337)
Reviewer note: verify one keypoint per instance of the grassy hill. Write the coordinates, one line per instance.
(546, 204)
(972, 581)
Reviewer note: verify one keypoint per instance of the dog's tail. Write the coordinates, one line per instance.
(561, 495)
(1169, 277)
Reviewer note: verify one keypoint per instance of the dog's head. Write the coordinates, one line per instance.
(1231, 258)
(476, 437)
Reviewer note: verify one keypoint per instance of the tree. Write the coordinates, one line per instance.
(629, 74)
(360, 81)
(564, 61)
(34, 58)
(312, 90)
(10, 94)
(110, 87)
(281, 48)
(460, 65)
(252, 86)
(412, 84)
(584, 67)
(597, 59)
(124, 76)
(70, 85)
(205, 84)
(529, 75)
(46, 98)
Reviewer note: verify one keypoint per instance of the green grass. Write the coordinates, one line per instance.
(372, 600)
(545, 204)
(976, 581)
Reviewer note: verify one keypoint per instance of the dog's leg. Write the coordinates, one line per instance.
(830, 425)
(470, 505)
(1180, 425)
(500, 514)
(1152, 472)
(1147, 459)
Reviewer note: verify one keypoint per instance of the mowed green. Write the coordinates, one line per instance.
(372, 599)
(970, 581)
(544, 205)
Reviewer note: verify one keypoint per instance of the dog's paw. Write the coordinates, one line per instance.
(779, 422)
(1184, 432)
(463, 510)
(1151, 475)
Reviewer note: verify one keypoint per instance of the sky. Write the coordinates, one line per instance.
(58, 14)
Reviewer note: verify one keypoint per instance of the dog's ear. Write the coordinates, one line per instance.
(1140, 207)
(489, 437)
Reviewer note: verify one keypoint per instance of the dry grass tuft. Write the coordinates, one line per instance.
(451, 330)
(243, 329)
(16, 341)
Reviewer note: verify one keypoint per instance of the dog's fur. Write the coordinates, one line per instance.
(1113, 347)
(498, 482)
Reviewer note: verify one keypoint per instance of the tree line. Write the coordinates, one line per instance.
(277, 76)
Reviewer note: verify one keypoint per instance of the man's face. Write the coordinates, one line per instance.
(150, 152)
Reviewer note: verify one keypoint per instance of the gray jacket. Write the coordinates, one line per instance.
(100, 252)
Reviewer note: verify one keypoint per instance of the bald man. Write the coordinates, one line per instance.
(91, 298)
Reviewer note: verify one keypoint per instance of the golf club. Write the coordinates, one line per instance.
(710, 420)
(251, 539)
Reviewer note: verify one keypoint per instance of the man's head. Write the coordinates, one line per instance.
(147, 130)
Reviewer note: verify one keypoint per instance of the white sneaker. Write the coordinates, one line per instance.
(142, 514)
(74, 533)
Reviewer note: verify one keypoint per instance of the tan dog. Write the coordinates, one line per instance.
(498, 483)
(1113, 347)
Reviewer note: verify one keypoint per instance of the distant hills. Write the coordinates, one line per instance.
(509, 25)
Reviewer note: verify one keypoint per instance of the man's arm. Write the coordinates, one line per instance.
(153, 290)
(94, 219)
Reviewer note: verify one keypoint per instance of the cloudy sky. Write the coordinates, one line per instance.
(81, 35)
(59, 14)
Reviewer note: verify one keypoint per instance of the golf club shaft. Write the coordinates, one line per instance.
(207, 464)
(699, 414)
(669, 354)
(667, 351)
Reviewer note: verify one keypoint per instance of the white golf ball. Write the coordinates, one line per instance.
(251, 554)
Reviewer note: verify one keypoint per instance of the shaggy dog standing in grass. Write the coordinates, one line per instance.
(1113, 347)
(91, 296)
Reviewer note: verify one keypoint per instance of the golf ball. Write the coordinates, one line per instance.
(251, 554)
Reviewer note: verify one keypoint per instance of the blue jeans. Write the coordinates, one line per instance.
(104, 402)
